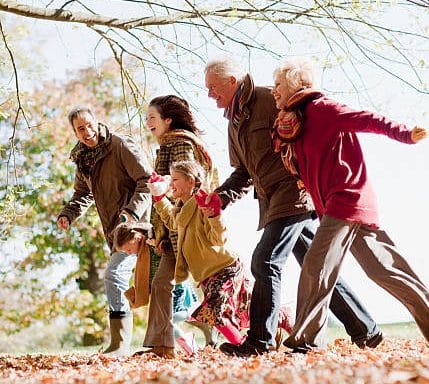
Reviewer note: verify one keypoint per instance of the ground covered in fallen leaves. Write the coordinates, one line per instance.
(394, 361)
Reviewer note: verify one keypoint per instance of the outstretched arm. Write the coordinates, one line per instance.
(341, 117)
(167, 213)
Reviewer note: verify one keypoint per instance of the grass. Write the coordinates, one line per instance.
(406, 330)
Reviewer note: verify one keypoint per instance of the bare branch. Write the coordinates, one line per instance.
(365, 52)
(19, 110)
(204, 20)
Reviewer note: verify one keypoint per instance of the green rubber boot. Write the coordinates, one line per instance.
(121, 331)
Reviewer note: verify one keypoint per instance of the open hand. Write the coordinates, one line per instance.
(418, 133)
(63, 223)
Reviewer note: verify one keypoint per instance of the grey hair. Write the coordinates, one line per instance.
(77, 112)
(298, 72)
(226, 67)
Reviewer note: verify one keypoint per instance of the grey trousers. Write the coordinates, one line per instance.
(377, 256)
(160, 331)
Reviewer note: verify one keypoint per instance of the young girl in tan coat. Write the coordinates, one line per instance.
(201, 250)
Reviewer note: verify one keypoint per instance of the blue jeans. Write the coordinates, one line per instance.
(280, 238)
(117, 281)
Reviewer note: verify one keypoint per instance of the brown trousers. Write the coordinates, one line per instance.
(377, 256)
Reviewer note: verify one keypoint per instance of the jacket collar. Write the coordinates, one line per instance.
(302, 96)
(176, 134)
(248, 91)
(80, 154)
(247, 95)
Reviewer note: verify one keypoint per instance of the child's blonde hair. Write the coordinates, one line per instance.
(190, 169)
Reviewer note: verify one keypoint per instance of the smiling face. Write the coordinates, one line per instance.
(281, 91)
(86, 129)
(182, 186)
(221, 89)
(155, 123)
(132, 246)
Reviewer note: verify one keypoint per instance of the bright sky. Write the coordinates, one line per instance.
(400, 173)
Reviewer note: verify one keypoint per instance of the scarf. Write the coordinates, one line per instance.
(201, 154)
(85, 157)
(232, 112)
(288, 126)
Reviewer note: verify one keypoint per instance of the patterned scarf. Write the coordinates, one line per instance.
(288, 127)
(200, 152)
(86, 157)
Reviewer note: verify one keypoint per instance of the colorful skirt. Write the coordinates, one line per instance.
(227, 296)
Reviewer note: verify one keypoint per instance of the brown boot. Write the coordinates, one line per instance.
(160, 351)
(165, 352)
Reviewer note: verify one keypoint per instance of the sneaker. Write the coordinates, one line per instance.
(187, 343)
(243, 350)
(286, 318)
(370, 342)
(211, 334)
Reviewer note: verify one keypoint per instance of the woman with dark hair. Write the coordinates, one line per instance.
(170, 120)
(175, 108)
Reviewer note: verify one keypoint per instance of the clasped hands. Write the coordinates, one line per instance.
(210, 204)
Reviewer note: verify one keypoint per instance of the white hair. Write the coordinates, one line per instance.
(298, 72)
(226, 67)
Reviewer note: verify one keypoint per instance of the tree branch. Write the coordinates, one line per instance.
(19, 110)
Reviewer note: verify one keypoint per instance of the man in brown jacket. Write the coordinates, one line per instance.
(286, 210)
(112, 172)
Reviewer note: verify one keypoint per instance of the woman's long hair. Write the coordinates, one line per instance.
(177, 109)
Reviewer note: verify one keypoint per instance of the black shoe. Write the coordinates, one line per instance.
(371, 342)
(244, 350)
(297, 350)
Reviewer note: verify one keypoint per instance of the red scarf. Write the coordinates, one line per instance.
(290, 120)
